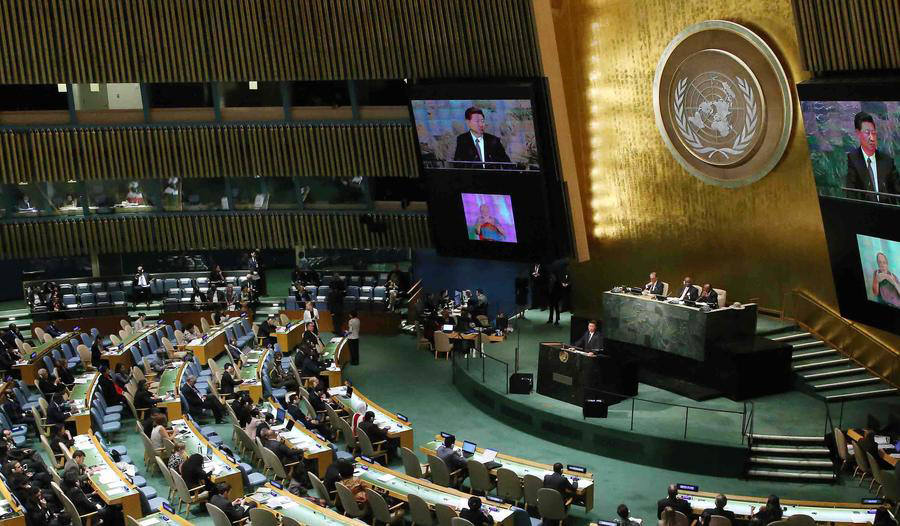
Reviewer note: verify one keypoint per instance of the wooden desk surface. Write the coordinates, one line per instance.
(250, 372)
(163, 518)
(396, 427)
(111, 484)
(522, 467)
(81, 397)
(298, 508)
(400, 485)
(314, 447)
(223, 469)
(28, 367)
(856, 435)
(844, 513)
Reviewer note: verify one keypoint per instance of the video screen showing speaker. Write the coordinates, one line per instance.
(476, 127)
(489, 217)
(879, 258)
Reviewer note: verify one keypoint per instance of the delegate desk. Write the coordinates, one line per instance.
(569, 374)
(584, 482)
(163, 518)
(167, 389)
(81, 395)
(222, 469)
(251, 369)
(113, 486)
(400, 486)
(397, 427)
(337, 351)
(674, 328)
(212, 344)
(121, 353)
(10, 509)
(314, 446)
(289, 335)
(286, 504)
(833, 513)
(28, 367)
(884, 452)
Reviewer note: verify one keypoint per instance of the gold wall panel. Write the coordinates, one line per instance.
(645, 211)
(848, 35)
(78, 237)
(372, 150)
(51, 41)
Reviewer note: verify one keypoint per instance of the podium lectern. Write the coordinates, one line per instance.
(568, 375)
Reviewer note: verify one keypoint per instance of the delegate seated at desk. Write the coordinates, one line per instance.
(687, 292)
(590, 340)
(709, 295)
(654, 287)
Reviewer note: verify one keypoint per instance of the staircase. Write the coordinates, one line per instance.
(795, 458)
(825, 372)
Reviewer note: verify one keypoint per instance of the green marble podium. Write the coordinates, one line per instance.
(676, 329)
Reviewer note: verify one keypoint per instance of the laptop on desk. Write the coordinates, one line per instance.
(468, 448)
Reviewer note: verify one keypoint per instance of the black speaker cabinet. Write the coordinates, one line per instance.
(594, 408)
(521, 383)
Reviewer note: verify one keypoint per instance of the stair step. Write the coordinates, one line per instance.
(861, 394)
(789, 337)
(788, 438)
(833, 374)
(807, 345)
(790, 450)
(791, 474)
(814, 354)
(794, 462)
(817, 365)
(847, 383)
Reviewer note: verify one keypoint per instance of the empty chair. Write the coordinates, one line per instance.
(69, 301)
(876, 472)
(217, 515)
(117, 297)
(97, 287)
(419, 512)
(862, 463)
(551, 508)
(262, 517)
(381, 512)
(440, 473)
(411, 463)
(479, 478)
(531, 485)
(459, 521)
(102, 298)
(82, 288)
(320, 488)
(445, 514)
(509, 486)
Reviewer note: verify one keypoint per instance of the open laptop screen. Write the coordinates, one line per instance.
(468, 447)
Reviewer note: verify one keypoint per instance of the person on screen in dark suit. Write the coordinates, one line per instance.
(687, 292)
(672, 501)
(590, 340)
(869, 169)
(475, 145)
(709, 295)
(654, 287)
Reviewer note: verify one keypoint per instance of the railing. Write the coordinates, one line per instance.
(851, 339)
(641, 414)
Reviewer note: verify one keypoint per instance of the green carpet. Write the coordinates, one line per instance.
(403, 379)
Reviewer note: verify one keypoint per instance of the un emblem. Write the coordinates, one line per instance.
(722, 103)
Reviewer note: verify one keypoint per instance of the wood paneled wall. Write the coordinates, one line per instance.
(75, 237)
(378, 150)
(848, 35)
(54, 41)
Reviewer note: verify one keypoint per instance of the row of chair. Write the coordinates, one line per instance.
(354, 297)
(865, 465)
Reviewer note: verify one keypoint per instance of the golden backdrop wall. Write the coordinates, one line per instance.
(643, 211)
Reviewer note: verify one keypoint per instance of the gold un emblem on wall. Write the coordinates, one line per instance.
(723, 104)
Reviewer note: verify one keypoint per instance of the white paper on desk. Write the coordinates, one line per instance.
(882, 439)
(116, 491)
(82, 380)
(489, 455)
(108, 476)
(386, 477)
(336, 339)
(148, 522)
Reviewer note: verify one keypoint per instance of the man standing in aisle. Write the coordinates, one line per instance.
(353, 337)
(141, 286)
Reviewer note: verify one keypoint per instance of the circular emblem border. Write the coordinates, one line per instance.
(786, 100)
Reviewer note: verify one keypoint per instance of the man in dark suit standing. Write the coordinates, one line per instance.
(721, 502)
(672, 501)
(654, 287)
(590, 340)
(140, 286)
(687, 292)
(869, 169)
(709, 295)
(477, 146)
(555, 290)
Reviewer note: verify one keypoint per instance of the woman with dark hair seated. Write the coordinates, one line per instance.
(194, 476)
(769, 513)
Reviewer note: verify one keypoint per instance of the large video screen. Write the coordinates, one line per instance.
(854, 147)
(878, 259)
(489, 217)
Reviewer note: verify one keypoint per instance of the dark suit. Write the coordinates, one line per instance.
(589, 342)
(56, 414)
(144, 399)
(332, 476)
(712, 298)
(235, 513)
(265, 333)
(376, 434)
(691, 293)
(676, 504)
(285, 454)
(228, 384)
(476, 517)
(560, 483)
(858, 176)
(96, 354)
(707, 513)
(196, 403)
(466, 151)
(654, 288)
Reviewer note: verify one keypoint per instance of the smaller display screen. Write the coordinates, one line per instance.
(489, 217)
(880, 261)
